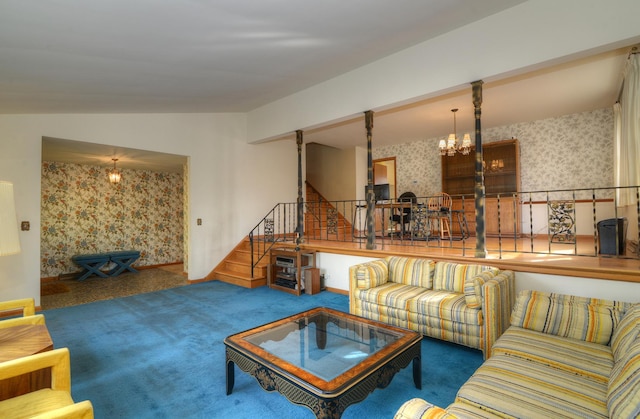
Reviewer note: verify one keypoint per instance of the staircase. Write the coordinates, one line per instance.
(236, 268)
(322, 221)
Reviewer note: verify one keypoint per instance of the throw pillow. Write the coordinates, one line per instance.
(449, 276)
(473, 288)
(372, 274)
(411, 271)
(587, 319)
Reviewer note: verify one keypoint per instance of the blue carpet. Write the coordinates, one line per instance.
(161, 355)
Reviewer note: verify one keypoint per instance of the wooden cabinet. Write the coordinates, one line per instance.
(501, 217)
(287, 268)
(501, 162)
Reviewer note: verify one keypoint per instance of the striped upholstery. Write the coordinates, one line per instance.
(588, 319)
(419, 409)
(588, 359)
(536, 371)
(371, 274)
(445, 305)
(626, 333)
(399, 291)
(473, 288)
(510, 386)
(623, 395)
(411, 271)
(451, 276)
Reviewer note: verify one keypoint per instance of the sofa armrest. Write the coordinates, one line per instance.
(365, 276)
(498, 295)
(418, 409)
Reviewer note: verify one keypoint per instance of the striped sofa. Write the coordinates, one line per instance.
(562, 357)
(461, 303)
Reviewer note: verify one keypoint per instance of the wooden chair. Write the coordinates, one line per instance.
(53, 402)
(439, 207)
(29, 316)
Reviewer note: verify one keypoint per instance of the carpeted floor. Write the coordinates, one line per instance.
(161, 355)
(69, 292)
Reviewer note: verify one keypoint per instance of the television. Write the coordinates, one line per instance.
(381, 192)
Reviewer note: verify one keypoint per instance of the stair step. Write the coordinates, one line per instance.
(245, 268)
(240, 280)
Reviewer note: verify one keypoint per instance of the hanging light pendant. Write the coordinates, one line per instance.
(114, 174)
(450, 146)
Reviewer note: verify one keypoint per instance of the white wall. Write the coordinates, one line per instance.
(232, 184)
(519, 38)
(336, 271)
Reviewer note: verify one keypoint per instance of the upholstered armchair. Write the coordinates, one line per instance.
(49, 403)
(29, 316)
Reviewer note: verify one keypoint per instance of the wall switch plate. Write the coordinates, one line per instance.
(25, 226)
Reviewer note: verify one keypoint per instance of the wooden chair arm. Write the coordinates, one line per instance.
(27, 305)
(57, 359)
(19, 321)
(81, 410)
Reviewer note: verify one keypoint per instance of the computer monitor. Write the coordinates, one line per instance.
(381, 192)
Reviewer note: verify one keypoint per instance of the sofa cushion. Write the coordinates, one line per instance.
(371, 274)
(623, 396)
(473, 288)
(588, 319)
(391, 294)
(444, 305)
(411, 271)
(590, 360)
(451, 276)
(510, 386)
(626, 333)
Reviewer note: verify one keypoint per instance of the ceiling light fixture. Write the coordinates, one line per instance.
(114, 174)
(450, 146)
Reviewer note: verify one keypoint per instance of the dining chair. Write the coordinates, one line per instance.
(439, 207)
(403, 217)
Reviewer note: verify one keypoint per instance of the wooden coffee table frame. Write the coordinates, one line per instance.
(327, 399)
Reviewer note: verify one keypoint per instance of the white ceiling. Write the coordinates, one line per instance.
(157, 56)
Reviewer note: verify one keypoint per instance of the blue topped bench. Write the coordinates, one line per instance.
(93, 263)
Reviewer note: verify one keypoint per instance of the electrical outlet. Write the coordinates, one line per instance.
(25, 225)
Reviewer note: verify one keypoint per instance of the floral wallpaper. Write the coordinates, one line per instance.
(83, 213)
(567, 152)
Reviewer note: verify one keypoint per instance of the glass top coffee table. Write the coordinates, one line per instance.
(323, 359)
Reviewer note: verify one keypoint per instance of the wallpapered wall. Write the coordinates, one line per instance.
(566, 152)
(83, 213)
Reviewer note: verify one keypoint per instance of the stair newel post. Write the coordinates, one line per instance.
(371, 232)
(300, 228)
(479, 190)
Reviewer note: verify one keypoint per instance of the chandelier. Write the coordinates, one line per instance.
(114, 174)
(450, 146)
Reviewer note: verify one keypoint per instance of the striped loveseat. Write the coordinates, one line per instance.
(461, 303)
(562, 357)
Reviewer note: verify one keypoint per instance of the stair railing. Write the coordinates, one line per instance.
(278, 225)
